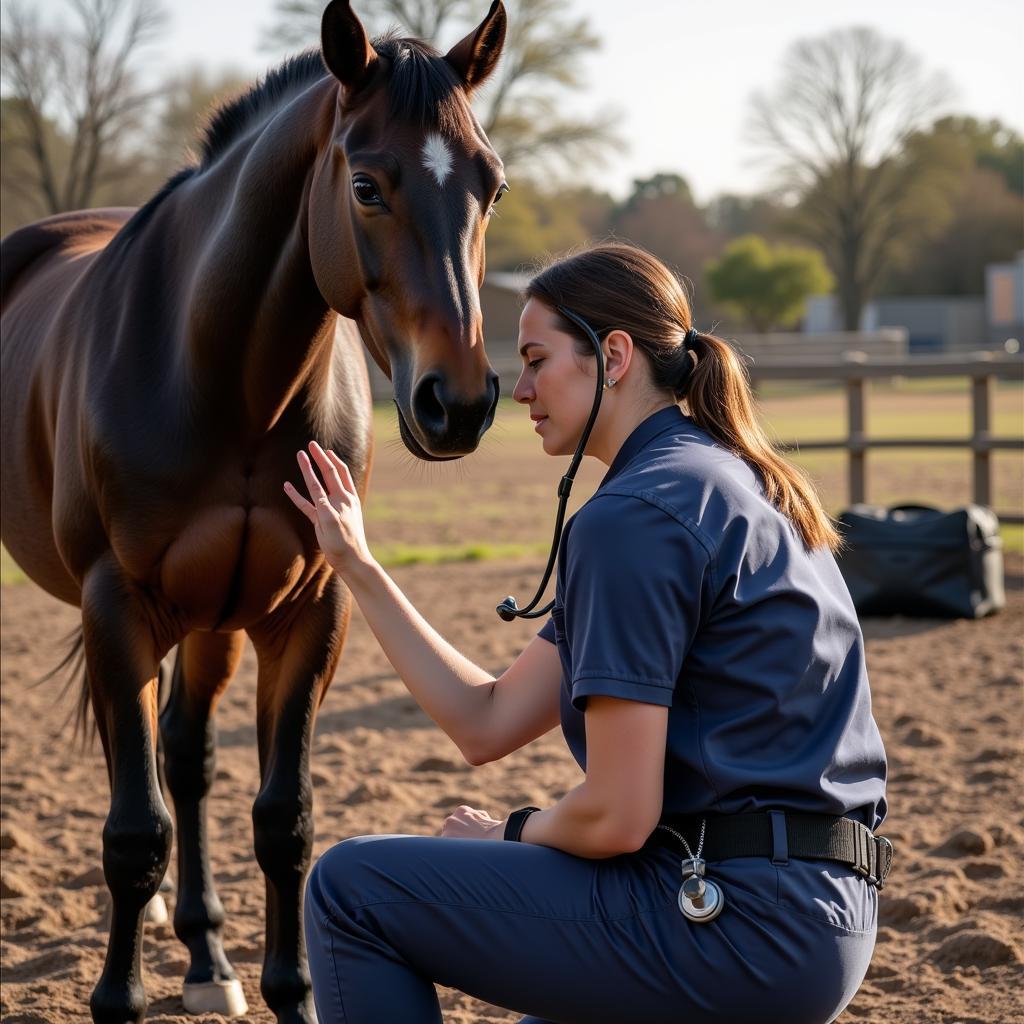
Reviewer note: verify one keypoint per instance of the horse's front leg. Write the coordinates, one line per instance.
(203, 668)
(298, 654)
(121, 668)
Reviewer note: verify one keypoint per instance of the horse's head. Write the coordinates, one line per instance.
(399, 202)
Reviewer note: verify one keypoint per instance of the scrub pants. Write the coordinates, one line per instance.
(569, 940)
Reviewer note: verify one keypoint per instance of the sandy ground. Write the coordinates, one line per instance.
(948, 697)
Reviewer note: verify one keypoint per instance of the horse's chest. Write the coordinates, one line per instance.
(231, 565)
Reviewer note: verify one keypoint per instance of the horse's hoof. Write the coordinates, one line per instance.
(156, 910)
(223, 997)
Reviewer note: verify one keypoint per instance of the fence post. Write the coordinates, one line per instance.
(981, 436)
(856, 440)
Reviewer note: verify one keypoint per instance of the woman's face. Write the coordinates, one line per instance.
(556, 383)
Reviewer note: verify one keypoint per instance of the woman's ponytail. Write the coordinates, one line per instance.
(718, 396)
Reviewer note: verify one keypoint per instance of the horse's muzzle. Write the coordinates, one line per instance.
(443, 425)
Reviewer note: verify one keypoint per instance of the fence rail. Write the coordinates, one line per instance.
(856, 370)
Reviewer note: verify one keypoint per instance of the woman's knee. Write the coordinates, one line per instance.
(336, 880)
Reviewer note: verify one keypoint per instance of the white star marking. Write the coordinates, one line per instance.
(437, 157)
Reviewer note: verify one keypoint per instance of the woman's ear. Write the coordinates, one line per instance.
(618, 354)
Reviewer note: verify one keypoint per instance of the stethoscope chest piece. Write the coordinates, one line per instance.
(700, 899)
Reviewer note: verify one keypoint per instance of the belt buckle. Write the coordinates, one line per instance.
(863, 848)
(884, 851)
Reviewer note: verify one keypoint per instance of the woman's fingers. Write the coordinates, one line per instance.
(343, 471)
(313, 485)
(300, 503)
(330, 473)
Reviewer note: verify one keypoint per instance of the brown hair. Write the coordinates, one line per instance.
(617, 286)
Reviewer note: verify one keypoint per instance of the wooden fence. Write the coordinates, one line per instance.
(856, 370)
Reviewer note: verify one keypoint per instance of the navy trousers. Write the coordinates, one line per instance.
(568, 940)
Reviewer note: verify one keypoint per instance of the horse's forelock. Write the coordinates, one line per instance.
(423, 88)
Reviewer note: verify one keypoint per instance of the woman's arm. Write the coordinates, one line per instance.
(619, 803)
(485, 717)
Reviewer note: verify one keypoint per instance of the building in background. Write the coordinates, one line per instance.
(1004, 303)
(939, 323)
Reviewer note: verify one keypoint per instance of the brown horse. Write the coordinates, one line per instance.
(161, 368)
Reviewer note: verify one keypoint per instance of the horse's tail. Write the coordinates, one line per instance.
(74, 663)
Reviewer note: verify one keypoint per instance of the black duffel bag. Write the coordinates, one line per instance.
(920, 561)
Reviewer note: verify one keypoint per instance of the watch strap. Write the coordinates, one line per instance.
(515, 821)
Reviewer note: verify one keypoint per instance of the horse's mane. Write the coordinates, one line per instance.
(423, 89)
(231, 118)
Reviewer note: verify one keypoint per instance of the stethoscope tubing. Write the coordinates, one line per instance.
(508, 610)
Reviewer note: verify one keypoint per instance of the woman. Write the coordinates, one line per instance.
(706, 665)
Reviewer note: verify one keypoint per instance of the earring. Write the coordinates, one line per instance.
(610, 383)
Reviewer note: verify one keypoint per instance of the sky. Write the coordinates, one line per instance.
(681, 74)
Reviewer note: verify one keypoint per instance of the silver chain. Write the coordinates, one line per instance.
(682, 839)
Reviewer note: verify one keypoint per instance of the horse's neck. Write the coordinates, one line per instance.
(258, 331)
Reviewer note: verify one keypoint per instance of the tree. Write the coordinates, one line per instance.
(532, 222)
(76, 96)
(768, 285)
(987, 226)
(661, 216)
(991, 145)
(21, 200)
(986, 209)
(520, 108)
(189, 98)
(837, 128)
(733, 216)
(297, 22)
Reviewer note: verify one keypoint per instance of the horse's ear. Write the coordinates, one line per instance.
(346, 47)
(477, 55)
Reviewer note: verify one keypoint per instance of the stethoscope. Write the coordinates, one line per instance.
(508, 609)
(700, 899)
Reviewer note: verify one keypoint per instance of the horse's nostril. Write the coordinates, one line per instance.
(428, 406)
(494, 386)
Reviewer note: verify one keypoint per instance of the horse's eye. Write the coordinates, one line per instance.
(366, 192)
(501, 191)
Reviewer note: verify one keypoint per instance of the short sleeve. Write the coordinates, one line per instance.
(635, 580)
(547, 631)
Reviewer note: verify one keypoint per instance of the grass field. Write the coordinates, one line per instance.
(507, 490)
(500, 503)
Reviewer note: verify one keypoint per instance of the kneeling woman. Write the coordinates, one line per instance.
(706, 665)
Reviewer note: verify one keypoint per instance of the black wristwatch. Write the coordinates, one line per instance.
(516, 820)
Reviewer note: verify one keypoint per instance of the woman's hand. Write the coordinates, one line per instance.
(468, 823)
(336, 514)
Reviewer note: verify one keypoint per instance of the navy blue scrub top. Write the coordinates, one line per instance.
(680, 584)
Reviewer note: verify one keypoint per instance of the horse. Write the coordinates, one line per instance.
(161, 368)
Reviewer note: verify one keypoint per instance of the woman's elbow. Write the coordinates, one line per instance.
(620, 837)
(476, 755)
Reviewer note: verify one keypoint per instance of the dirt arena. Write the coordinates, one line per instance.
(947, 695)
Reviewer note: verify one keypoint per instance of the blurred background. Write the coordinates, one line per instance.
(829, 179)
(842, 187)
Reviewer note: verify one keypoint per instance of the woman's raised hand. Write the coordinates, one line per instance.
(336, 513)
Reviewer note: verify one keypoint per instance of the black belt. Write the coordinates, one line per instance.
(806, 836)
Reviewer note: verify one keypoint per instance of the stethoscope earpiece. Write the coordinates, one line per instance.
(508, 609)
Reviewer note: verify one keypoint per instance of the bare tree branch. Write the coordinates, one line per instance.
(77, 84)
(835, 132)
